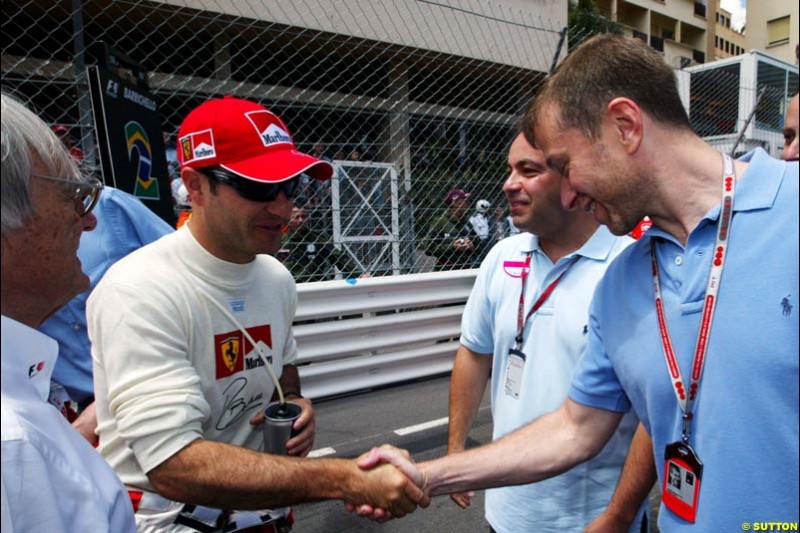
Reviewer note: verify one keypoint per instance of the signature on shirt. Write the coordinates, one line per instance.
(235, 405)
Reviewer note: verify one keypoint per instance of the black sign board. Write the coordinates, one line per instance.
(129, 133)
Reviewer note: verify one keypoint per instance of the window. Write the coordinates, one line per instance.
(778, 31)
(657, 43)
(700, 9)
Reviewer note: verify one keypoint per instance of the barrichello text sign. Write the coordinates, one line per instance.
(130, 140)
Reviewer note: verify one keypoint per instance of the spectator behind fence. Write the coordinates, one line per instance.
(791, 144)
(184, 206)
(124, 224)
(69, 141)
(171, 155)
(314, 190)
(479, 221)
(499, 222)
(555, 265)
(309, 254)
(450, 238)
(173, 167)
(318, 151)
(512, 229)
(52, 479)
(182, 331)
(612, 122)
(641, 228)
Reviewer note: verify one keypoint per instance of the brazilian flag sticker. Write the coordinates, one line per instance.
(139, 145)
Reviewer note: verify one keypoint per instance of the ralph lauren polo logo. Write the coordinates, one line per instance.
(787, 307)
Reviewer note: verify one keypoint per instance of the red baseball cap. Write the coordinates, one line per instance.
(456, 194)
(246, 139)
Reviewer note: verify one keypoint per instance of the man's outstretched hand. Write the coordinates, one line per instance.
(402, 461)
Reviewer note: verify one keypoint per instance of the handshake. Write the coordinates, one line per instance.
(395, 485)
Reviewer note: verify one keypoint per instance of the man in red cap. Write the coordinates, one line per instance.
(450, 238)
(189, 335)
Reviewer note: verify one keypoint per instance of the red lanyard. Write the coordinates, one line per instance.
(522, 319)
(686, 402)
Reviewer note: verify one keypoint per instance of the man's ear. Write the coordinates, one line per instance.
(193, 181)
(626, 120)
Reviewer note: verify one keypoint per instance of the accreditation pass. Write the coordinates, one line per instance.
(516, 364)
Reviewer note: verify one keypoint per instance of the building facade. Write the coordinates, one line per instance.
(677, 28)
(728, 42)
(772, 26)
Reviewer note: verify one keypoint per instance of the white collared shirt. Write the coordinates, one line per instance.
(52, 478)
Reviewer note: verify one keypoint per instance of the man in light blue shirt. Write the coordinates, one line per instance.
(745, 420)
(124, 224)
(612, 122)
(569, 247)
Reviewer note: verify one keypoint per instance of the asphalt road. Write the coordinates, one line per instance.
(410, 416)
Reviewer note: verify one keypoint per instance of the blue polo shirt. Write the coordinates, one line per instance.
(124, 224)
(745, 428)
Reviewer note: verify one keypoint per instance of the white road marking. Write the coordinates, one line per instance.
(422, 427)
(322, 452)
(382, 437)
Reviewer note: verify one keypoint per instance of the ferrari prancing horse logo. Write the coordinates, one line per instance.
(230, 352)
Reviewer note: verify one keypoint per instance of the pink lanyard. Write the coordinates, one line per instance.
(712, 288)
(522, 319)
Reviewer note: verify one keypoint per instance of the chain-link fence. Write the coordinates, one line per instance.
(734, 113)
(414, 101)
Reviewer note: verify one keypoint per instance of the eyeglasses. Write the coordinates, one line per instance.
(256, 191)
(85, 193)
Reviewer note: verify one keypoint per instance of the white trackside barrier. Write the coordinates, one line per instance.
(377, 331)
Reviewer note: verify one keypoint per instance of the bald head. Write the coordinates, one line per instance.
(791, 150)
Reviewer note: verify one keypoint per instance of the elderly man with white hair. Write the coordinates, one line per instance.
(52, 479)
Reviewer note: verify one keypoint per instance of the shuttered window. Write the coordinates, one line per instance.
(778, 31)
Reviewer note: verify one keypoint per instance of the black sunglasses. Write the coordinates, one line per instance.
(256, 191)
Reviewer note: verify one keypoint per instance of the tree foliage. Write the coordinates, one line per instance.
(585, 20)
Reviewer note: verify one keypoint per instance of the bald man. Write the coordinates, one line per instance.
(791, 150)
